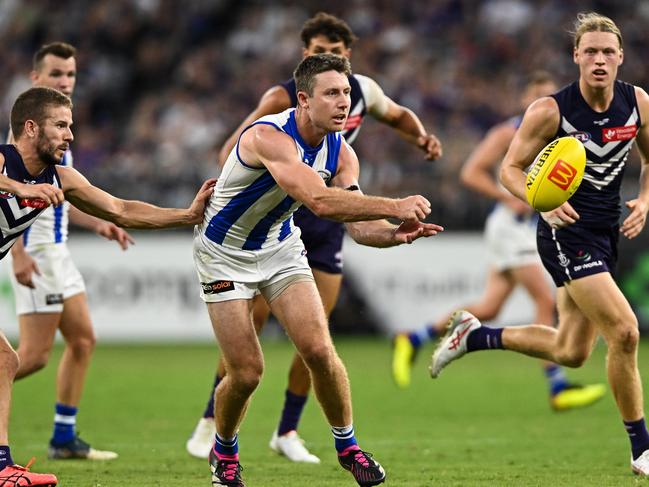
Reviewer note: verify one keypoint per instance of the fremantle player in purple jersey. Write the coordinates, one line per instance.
(323, 33)
(30, 181)
(577, 241)
(510, 238)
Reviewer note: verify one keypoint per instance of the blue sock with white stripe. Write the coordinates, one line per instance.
(227, 449)
(638, 436)
(65, 422)
(556, 379)
(5, 456)
(344, 437)
(422, 335)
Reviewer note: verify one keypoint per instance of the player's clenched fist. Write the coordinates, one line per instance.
(46, 192)
(413, 208)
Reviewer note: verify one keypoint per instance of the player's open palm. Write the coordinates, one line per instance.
(410, 231)
(634, 223)
(110, 231)
(45, 192)
(197, 209)
(413, 208)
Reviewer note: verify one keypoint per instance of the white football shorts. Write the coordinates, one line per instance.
(510, 239)
(59, 280)
(226, 273)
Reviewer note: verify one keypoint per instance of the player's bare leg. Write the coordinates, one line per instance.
(307, 327)
(201, 440)
(37, 332)
(244, 363)
(285, 439)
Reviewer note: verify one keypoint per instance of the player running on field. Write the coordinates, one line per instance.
(510, 237)
(578, 240)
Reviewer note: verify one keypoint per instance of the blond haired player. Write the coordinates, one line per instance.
(510, 237)
(578, 241)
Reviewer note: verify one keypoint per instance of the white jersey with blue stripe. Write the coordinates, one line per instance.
(52, 225)
(248, 209)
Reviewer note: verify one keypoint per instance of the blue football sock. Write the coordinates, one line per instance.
(209, 408)
(343, 437)
(484, 338)
(65, 421)
(638, 435)
(422, 335)
(5, 456)
(556, 378)
(293, 406)
(226, 447)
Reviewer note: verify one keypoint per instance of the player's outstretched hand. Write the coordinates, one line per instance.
(561, 217)
(413, 208)
(411, 230)
(110, 231)
(197, 209)
(634, 223)
(430, 145)
(44, 192)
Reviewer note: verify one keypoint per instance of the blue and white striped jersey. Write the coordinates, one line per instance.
(15, 216)
(248, 210)
(52, 225)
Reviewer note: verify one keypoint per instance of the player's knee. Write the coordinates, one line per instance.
(317, 355)
(82, 346)
(626, 338)
(574, 358)
(9, 361)
(246, 378)
(572, 354)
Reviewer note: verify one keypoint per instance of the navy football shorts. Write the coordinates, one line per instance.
(323, 240)
(574, 252)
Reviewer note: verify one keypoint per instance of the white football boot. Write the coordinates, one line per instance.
(453, 344)
(292, 447)
(640, 465)
(202, 439)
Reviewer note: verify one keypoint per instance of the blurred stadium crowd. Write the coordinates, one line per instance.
(162, 83)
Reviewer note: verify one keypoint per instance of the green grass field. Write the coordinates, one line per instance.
(485, 422)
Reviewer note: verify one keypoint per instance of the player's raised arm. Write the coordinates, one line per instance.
(130, 213)
(402, 119)
(538, 127)
(275, 100)
(635, 221)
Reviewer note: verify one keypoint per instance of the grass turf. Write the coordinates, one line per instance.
(484, 422)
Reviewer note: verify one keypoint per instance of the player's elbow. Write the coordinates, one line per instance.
(467, 176)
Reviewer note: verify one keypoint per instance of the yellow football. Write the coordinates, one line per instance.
(555, 174)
